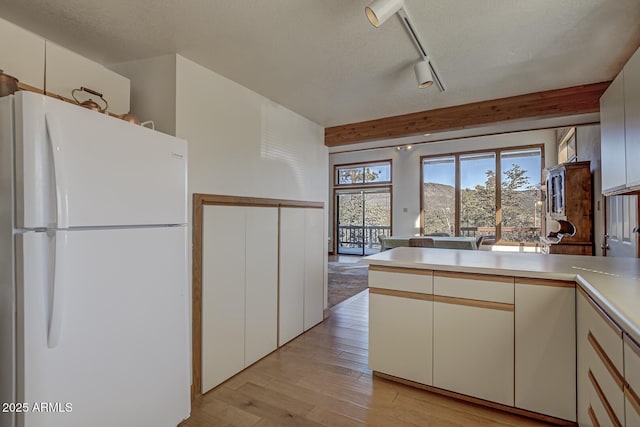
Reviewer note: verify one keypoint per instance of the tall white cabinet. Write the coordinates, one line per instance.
(301, 295)
(240, 288)
(620, 130)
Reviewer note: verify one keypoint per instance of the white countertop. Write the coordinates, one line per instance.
(614, 283)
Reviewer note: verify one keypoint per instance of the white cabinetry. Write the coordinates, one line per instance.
(612, 136)
(632, 377)
(302, 267)
(401, 323)
(239, 289)
(632, 118)
(600, 366)
(22, 54)
(66, 70)
(473, 340)
(545, 351)
(620, 130)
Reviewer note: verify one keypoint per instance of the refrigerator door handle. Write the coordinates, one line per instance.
(58, 291)
(62, 199)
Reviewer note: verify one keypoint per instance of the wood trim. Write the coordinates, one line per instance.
(401, 294)
(29, 88)
(634, 345)
(475, 303)
(196, 298)
(199, 201)
(603, 399)
(613, 325)
(633, 398)
(477, 401)
(617, 377)
(592, 417)
(474, 276)
(402, 270)
(221, 199)
(551, 103)
(545, 282)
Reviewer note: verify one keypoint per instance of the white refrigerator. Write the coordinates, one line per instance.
(93, 269)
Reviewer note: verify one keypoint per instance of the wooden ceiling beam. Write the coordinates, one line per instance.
(552, 103)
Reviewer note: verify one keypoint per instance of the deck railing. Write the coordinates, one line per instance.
(353, 236)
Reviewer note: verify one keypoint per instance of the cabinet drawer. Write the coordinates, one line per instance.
(632, 408)
(632, 363)
(601, 408)
(401, 279)
(605, 331)
(610, 381)
(474, 286)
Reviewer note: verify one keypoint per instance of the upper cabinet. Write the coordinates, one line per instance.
(620, 130)
(66, 71)
(22, 54)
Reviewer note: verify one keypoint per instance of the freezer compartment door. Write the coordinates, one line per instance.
(80, 168)
(104, 328)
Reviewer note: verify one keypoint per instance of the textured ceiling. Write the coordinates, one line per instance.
(322, 58)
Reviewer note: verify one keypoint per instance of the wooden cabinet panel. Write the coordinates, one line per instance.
(632, 410)
(223, 294)
(545, 351)
(583, 386)
(613, 151)
(261, 279)
(66, 70)
(409, 280)
(474, 286)
(473, 351)
(632, 363)
(632, 118)
(400, 337)
(314, 267)
(22, 54)
(292, 274)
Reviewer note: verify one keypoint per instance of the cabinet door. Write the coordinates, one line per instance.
(292, 274)
(261, 283)
(632, 377)
(545, 358)
(22, 54)
(632, 118)
(66, 70)
(473, 350)
(612, 146)
(314, 266)
(400, 337)
(223, 278)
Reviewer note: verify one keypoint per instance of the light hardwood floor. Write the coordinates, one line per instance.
(321, 379)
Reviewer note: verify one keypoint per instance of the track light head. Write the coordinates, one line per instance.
(381, 10)
(423, 74)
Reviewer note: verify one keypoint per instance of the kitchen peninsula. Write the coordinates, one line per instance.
(510, 330)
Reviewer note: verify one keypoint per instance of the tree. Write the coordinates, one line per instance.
(478, 206)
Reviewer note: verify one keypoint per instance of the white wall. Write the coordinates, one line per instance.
(241, 143)
(406, 169)
(153, 90)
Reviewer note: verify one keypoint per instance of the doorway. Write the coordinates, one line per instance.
(621, 235)
(362, 216)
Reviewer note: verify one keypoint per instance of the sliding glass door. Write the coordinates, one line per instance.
(362, 216)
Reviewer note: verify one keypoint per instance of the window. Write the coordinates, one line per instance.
(493, 193)
(371, 173)
(362, 206)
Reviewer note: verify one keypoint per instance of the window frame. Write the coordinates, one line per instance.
(362, 165)
(498, 171)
